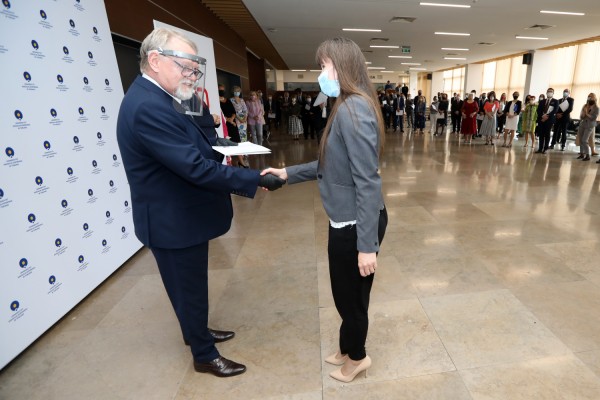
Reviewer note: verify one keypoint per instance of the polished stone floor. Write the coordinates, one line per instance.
(488, 288)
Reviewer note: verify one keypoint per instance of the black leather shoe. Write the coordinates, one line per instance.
(220, 367)
(218, 336)
(221, 336)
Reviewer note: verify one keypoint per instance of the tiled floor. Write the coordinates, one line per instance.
(488, 288)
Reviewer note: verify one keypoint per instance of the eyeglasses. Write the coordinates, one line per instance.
(187, 72)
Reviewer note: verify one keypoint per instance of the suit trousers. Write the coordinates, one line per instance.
(560, 131)
(184, 273)
(456, 120)
(544, 135)
(351, 292)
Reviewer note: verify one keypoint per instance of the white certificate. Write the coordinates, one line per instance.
(321, 98)
(399, 112)
(271, 115)
(242, 148)
(564, 105)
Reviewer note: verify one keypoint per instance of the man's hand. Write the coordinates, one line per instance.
(545, 118)
(367, 263)
(270, 182)
(217, 119)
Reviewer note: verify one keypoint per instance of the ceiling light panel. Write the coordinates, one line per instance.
(453, 33)
(445, 5)
(562, 12)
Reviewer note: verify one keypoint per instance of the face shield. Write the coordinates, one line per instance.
(190, 89)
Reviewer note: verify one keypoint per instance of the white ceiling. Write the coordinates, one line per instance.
(302, 24)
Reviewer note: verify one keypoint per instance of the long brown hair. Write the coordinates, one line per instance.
(350, 65)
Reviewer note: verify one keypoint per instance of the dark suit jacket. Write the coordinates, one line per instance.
(551, 115)
(567, 113)
(271, 108)
(519, 105)
(180, 193)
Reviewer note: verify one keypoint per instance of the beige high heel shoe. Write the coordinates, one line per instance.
(335, 360)
(364, 365)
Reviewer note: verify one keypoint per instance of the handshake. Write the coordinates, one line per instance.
(272, 179)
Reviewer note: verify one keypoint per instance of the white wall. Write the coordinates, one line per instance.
(437, 84)
(473, 78)
(538, 73)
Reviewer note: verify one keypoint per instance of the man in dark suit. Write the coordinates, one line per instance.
(271, 112)
(456, 113)
(546, 116)
(180, 192)
(562, 120)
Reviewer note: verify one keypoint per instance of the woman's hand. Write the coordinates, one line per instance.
(281, 173)
(367, 263)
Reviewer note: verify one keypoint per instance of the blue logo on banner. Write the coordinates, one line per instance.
(23, 263)
(95, 30)
(10, 152)
(90, 192)
(1, 194)
(66, 50)
(103, 109)
(52, 280)
(72, 23)
(80, 259)
(58, 242)
(104, 242)
(70, 171)
(59, 78)
(107, 82)
(35, 45)
(75, 139)
(123, 229)
(114, 157)
(47, 145)
(31, 218)
(14, 306)
(85, 80)
(18, 115)
(108, 214)
(27, 76)
(43, 14)
(64, 203)
(94, 163)
(126, 203)
(80, 111)
(53, 113)
(90, 55)
(99, 135)
(6, 4)
(86, 226)
(111, 183)
(39, 181)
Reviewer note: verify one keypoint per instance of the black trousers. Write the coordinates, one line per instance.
(456, 120)
(560, 131)
(351, 292)
(184, 273)
(544, 135)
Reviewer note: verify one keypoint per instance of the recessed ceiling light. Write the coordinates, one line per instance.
(384, 47)
(315, 70)
(531, 37)
(375, 67)
(298, 70)
(410, 63)
(368, 62)
(452, 34)
(454, 49)
(454, 58)
(387, 72)
(399, 56)
(561, 12)
(418, 69)
(360, 30)
(444, 5)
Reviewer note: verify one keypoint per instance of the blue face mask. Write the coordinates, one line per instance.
(236, 94)
(331, 87)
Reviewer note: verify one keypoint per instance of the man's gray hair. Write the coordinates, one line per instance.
(159, 37)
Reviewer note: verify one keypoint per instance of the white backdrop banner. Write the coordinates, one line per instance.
(205, 50)
(65, 213)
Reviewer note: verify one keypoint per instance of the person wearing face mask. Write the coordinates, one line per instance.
(546, 117)
(410, 114)
(295, 127)
(587, 126)
(284, 106)
(488, 125)
(529, 118)
(563, 117)
(455, 113)
(501, 116)
(512, 110)
(307, 117)
(469, 111)
(433, 115)
(480, 103)
(256, 118)
(350, 188)
(420, 108)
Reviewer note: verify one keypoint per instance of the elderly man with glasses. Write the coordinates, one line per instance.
(180, 190)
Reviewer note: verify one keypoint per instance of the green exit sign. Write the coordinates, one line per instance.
(405, 49)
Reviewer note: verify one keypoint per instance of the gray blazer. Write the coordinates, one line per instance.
(589, 122)
(349, 183)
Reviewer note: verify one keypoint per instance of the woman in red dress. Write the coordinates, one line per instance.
(469, 114)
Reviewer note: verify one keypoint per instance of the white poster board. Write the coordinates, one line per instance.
(65, 210)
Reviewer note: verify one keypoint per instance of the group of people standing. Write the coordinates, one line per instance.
(490, 117)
